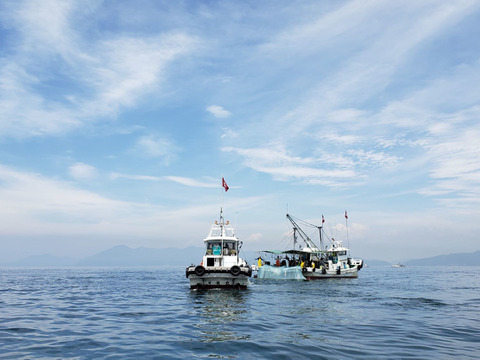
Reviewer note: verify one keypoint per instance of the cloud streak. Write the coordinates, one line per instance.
(106, 75)
(218, 111)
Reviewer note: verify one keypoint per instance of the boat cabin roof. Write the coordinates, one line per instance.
(221, 232)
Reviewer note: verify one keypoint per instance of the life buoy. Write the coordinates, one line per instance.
(200, 270)
(235, 270)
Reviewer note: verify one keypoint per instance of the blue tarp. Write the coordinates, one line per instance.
(280, 273)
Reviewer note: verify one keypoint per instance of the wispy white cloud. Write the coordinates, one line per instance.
(49, 205)
(45, 28)
(106, 74)
(283, 166)
(455, 169)
(228, 134)
(82, 171)
(176, 179)
(337, 138)
(193, 182)
(218, 111)
(441, 119)
(157, 146)
(369, 68)
(115, 176)
(373, 158)
(25, 113)
(56, 208)
(124, 69)
(343, 122)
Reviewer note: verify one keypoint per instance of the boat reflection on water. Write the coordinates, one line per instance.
(218, 314)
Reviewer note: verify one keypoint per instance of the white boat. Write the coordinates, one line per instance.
(315, 262)
(221, 266)
(398, 265)
(334, 262)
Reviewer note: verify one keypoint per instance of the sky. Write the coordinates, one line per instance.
(118, 121)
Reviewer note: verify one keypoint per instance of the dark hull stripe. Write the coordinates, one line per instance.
(206, 287)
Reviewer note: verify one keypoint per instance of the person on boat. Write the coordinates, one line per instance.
(217, 249)
(259, 262)
(277, 262)
(209, 250)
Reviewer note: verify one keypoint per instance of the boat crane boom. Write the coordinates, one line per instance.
(303, 235)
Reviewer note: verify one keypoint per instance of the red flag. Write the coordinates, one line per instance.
(224, 184)
(323, 219)
(346, 217)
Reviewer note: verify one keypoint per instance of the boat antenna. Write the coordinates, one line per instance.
(221, 193)
(320, 235)
(294, 238)
(346, 226)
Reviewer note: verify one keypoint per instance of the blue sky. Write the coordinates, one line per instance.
(118, 120)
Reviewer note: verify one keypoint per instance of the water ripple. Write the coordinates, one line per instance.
(152, 314)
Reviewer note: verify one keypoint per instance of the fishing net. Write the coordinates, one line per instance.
(273, 272)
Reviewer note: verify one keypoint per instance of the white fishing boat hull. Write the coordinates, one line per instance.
(235, 277)
(316, 274)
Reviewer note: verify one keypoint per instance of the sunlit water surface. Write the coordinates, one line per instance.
(150, 313)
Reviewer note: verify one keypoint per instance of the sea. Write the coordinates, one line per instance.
(151, 313)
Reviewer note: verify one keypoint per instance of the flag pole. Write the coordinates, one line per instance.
(224, 187)
(222, 196)
(346, 225)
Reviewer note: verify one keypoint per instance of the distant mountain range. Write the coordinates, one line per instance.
(122, 256)
(458, 259)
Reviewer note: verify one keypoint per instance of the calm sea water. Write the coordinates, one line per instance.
(387, 313)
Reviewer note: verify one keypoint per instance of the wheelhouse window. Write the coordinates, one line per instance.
(225, 248)
(229, 248)
(214, 248)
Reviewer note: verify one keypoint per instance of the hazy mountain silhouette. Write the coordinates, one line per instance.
(458, 259)
(124, 256)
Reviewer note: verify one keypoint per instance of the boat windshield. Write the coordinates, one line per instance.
(221, 248)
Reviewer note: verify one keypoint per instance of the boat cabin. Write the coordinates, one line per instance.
(221, 246)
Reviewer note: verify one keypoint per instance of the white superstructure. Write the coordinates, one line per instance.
(221, 265)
